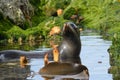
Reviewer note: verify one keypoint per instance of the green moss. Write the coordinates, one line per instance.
(16, 32)
(5, 24)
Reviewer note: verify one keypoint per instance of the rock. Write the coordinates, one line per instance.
(16, 10)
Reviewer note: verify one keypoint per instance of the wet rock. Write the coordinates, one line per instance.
(99, 61)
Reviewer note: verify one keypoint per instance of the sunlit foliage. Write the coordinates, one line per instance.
(100, 15)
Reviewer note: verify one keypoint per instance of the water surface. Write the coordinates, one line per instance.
(93, 55)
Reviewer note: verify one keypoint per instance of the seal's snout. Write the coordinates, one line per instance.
(67, 26)
(70, 29)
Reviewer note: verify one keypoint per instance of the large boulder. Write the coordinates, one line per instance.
(16, 10)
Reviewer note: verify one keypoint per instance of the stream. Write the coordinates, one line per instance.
(93, 55)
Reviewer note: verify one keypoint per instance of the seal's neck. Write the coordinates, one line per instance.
(72, 39)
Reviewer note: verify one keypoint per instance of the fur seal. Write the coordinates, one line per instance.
(70, 45)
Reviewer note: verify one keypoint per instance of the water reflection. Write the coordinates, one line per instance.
(58, 71)
(23, 46)
(97, 52)
(68, 69)
(13, 71)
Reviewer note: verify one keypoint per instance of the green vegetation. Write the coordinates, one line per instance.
(100, 15)
(115, 50)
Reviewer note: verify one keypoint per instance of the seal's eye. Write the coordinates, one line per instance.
(73, 26)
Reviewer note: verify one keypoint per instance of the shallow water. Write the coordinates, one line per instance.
(93, 55)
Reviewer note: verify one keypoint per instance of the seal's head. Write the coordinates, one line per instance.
(71, 44)
(70, 30)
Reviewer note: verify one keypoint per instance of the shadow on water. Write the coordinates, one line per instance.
(93, 55)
